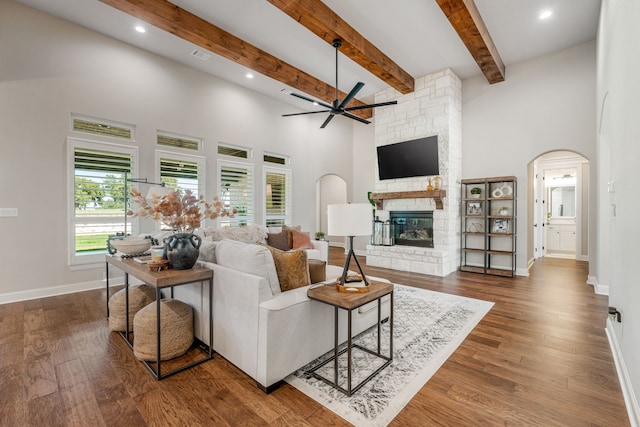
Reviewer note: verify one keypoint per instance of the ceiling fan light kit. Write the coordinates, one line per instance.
(339, 108)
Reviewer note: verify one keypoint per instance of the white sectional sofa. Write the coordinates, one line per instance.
(266, 333)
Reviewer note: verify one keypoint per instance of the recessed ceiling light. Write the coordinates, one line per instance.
(249, 75)
(140, 29)
(545, 14)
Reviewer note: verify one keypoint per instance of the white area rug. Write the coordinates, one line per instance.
(428, 327)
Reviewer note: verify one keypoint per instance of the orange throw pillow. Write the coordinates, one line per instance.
(301, 240)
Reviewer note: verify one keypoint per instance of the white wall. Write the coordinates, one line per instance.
(51, 68)
(544, 104)
(618, 106)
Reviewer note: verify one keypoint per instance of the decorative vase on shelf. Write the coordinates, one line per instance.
(429, 185)
(183, 250)
(437, 183)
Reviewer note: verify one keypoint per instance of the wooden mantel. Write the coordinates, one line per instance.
(436, 195)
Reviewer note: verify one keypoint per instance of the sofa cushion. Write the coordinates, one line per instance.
(317, 270)
(279, 240)
(248, 233)
(288, 229)
(249, 258)
(292, 268)
(300, 240)
(208, 251)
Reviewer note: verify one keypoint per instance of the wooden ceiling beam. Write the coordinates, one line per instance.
(326, 24)
(181, 23)
(466, 20)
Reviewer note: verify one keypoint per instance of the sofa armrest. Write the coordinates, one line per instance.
(323, 247)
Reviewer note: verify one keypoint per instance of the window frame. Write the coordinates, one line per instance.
(288, 216)
(235, 222)
(202, 170)
(90, 260)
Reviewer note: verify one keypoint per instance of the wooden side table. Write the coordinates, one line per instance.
(328, 294)
(161, 280)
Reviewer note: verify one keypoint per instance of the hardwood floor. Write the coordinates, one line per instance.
(539, 358)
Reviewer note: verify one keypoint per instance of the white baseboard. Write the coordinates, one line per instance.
(522, 272)
(630, 400)
(597, 287)
(10, 297)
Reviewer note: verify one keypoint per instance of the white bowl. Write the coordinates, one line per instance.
(131, 245)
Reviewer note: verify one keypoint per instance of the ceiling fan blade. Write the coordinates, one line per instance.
(363, 107)
(351, 94)
(312, 100)
(351, 116)
(326, 122)
(306, 112)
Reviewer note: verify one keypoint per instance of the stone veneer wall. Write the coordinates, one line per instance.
(434, 108)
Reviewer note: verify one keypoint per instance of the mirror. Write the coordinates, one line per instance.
(562, 201)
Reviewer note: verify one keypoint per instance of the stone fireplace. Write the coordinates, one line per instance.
(434, 108)
(412, 228)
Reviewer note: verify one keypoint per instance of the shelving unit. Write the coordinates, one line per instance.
(489, 224)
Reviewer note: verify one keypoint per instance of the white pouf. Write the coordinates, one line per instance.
(176, 326)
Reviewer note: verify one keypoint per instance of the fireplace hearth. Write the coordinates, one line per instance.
(412, 228)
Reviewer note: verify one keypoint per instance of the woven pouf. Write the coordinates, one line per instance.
(139, 297)
(176, 326)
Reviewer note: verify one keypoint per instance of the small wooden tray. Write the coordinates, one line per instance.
(157, 266)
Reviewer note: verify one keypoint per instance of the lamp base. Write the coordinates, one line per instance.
(350, 254)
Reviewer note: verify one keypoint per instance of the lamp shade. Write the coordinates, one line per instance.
(349, 219)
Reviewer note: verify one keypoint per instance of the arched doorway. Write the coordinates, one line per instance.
(330, 189)
(560, 206)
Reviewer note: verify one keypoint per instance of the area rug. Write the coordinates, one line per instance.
(428, 327)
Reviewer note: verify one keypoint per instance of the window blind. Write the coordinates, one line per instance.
(236, 190)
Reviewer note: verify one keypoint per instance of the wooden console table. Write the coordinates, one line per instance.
(161, 280)
(436, 195)
(328, 294)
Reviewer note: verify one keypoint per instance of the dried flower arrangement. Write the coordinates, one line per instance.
(182, 212)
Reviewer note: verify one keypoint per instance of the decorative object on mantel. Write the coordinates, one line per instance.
(429, 184)
(436, 195)
(183, 213)
(437, 182)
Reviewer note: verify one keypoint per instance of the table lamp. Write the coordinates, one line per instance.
(349, 219)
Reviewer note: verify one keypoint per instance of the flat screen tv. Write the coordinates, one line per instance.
(418, 157)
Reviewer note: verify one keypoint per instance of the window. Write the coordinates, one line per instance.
(277, 196)
(236, 190)
(234, 151)
(178, 141)
(277, 159)
(96, 187)
(102, 127)
(182, 172)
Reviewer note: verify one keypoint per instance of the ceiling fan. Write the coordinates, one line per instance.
(339, 108)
